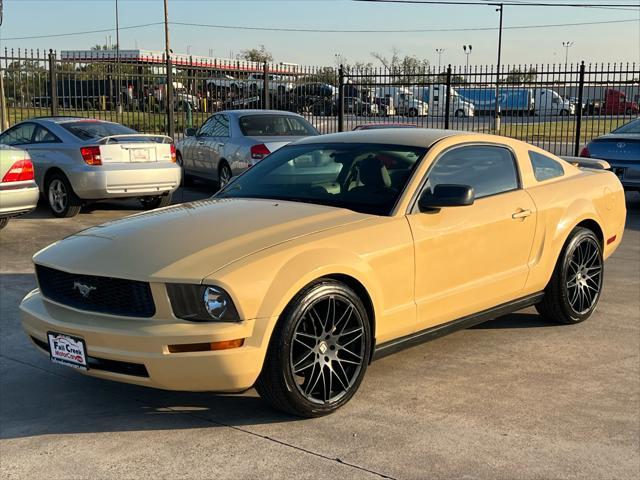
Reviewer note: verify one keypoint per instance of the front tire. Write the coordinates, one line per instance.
(63, 202)
(3, 222)
(318, 353)
(572, 294)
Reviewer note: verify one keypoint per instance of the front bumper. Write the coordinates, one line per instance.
(133, 350)
(17, 201)
(121, 180)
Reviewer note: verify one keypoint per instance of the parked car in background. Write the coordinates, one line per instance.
(314, 98)
(621, 149)
(359, 107)
(378, 126)
(233, 140)
(80, 160)
(332, 252)
(592, 107)
(277, 83)
(18, 190)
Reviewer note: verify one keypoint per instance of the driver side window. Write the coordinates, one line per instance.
(490, 170)
(207, 128)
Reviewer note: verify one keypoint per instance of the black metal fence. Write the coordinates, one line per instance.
(558, 107)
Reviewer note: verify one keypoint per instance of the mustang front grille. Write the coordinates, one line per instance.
(113, 296)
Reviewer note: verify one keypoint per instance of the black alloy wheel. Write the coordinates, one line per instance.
(318, 352)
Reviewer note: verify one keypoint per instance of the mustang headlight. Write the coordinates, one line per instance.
(201, 303)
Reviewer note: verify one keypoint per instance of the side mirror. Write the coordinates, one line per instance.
(190, 132)
(446, 195)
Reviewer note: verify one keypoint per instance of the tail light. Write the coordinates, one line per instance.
(91, 155)
(20, 171)
(173, 153)
(585, 152)
(258, 152)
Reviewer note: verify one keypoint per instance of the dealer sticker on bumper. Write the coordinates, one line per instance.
(67, 350)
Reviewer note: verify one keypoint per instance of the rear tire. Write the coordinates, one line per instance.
(151, 203)
(311, 370)
(186, 180)
(63, 202)
(572, 294)
(224, 174)
(3, 222)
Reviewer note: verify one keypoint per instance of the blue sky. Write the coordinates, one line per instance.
(593, 43)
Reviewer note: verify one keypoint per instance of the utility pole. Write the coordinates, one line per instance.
(4, 119)
(497, 109)
(118, 86)
(439, 51)
(567, 46)
(171, 124)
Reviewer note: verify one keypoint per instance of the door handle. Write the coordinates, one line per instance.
(200, 142)
(522, 213)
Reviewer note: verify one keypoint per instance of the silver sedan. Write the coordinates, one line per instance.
(18, 190)
(231, 141)
(79, 160)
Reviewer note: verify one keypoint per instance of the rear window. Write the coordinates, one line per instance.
(275, 126)
(89, 130)
(631, 127)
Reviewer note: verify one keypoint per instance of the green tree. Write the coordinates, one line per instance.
(260, 54)
(521, 76)
(406, 69)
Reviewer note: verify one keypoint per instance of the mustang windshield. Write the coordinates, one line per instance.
(367, 178)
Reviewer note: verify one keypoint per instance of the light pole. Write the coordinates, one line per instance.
(567, 46)
(439, 51)
(497, 106)
(467, 51)
(167, 52)
(118, 87)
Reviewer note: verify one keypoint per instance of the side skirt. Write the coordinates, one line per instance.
(438, 331)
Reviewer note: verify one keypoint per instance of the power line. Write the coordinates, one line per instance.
(404, 30)
(86, 32)
(320, 30)
(512, 3)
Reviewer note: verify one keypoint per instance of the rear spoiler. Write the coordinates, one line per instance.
(592, 163)
(160, 138)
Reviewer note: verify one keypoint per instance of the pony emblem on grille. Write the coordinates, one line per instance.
(84, 290)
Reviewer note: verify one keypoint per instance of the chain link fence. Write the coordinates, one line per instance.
(558, 107)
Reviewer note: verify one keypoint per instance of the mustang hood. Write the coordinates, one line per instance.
(189, 241)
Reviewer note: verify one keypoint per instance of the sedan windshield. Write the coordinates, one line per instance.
(275, 125)
(90, 129)
(366, 178)
(632, 127)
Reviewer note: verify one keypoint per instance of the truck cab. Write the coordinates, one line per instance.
(549, 102)
(616, 103)
(435, 95)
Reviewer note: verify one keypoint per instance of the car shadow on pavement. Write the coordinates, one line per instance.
(38, 397)
(517, 320)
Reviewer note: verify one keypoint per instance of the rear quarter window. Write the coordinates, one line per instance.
(545, 168)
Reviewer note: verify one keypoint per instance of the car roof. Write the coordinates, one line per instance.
(255, 111)
(413, 137)
(63, 119)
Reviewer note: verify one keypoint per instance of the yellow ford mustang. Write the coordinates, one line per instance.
(331, 252)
